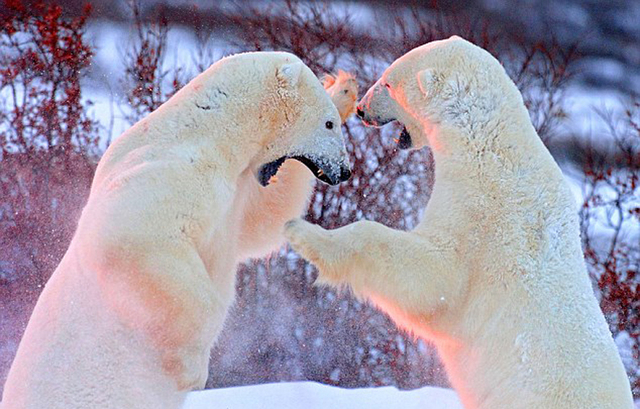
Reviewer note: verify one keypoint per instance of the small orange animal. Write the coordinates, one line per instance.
(343, 90)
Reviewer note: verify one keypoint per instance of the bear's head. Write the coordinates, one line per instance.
(443, 85)
(343, 90)
(270, 107)
(299, 122)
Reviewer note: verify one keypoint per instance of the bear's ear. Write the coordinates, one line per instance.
(427, 81)
(290, 73)
(328, 80)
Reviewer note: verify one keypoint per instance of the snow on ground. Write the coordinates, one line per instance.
(311, 395)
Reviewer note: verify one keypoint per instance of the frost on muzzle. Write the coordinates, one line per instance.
(331, 169)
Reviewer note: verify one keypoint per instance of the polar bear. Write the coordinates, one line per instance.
(130, 314)
(494, 273)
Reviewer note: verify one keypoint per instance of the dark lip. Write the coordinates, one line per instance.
(268, 170)
(375, 122)
(404, 140)
(317, 171)
(378, 122)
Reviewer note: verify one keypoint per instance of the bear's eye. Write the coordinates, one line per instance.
(387, 85)
(329, 124)
(346, 91)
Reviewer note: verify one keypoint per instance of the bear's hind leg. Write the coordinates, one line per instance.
(168, 297)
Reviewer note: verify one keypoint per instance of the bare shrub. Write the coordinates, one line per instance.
(48, 150)
(610, 222)
(145, 80)
(45, 133)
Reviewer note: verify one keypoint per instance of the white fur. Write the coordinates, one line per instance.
(494, 274)
(130, 314)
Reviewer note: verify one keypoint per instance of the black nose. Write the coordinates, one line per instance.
(360, 112)
(345, 174)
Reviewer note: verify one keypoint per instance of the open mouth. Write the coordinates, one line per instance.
(404, 139)
(316, 170)
(269, 170)
(319, 170)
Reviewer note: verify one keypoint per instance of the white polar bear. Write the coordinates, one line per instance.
(494, 274)
(129, 316)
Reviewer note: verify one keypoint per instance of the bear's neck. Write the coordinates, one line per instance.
(221, 129)
(504, 153)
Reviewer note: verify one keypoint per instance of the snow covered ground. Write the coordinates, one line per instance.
(311, 395)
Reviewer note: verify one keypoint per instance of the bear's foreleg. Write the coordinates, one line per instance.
(401, 267)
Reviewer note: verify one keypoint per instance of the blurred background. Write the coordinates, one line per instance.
(74, 75)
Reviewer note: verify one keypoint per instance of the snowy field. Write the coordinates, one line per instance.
(311, 395)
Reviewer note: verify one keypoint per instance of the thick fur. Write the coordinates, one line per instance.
(343, 90)
(494, 274)
(129, 316)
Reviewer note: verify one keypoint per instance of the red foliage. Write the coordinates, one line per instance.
(45, 57)
(48, 147)
(145, 79)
